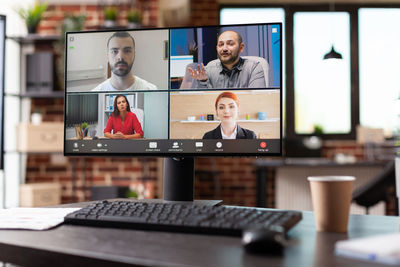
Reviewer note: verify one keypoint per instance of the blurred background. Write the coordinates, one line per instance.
(340, 101)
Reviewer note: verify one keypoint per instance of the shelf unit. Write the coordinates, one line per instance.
(18, 109)
(53, 94)
(34, 39)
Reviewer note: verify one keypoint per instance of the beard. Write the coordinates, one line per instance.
(231, 57)
(121, 72)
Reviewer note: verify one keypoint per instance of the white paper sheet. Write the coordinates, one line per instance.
(381, 248)
(33, 218)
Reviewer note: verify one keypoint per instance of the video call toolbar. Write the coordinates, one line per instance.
(173, 146)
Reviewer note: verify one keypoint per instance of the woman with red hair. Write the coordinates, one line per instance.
(227, 110)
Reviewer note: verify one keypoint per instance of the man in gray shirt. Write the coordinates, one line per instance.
(230, 70)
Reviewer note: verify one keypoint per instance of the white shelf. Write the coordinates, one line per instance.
(266, 120)
(214, 121)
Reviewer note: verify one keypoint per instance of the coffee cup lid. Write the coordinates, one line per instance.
(330, 178)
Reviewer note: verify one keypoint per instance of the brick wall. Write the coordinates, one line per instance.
(76, 175)
(82, 173)
(230, 179)
(235, 182)
(205, 12)
(52, 18)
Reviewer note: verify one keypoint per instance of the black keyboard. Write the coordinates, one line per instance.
(173, 217)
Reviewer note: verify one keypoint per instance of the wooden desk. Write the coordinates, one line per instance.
(70, 245)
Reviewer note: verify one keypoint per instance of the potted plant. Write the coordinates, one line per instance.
(71, 22)
(315, 140)
(85, 129)
(110, 17)
(33, 15)
(134, 18)
(193, 50)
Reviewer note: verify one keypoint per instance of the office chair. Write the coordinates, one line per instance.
(264, 65)
(377, 189)
(139, 114)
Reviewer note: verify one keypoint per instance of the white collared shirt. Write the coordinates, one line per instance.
(232, 136)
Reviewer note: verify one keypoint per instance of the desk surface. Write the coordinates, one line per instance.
(69, 245)
(312, 162)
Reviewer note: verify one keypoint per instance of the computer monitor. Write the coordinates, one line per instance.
(177, 93)
(2, 70)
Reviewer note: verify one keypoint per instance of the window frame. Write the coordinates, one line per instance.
(290, 10)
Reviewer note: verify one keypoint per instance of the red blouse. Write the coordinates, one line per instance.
(130, 125)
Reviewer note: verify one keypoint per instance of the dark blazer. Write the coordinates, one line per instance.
(241, 133)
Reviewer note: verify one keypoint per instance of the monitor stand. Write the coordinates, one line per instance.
(179, 182)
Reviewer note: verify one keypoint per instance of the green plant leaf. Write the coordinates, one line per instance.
(33, 15)
(110, 13)
(134, 16)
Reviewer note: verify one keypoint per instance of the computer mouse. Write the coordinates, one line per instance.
(263, 241)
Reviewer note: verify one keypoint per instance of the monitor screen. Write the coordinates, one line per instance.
(2, 71)
(198, 91)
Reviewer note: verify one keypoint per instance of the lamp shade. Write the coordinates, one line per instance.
(333, 54)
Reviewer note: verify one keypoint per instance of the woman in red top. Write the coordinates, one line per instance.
(122, 122)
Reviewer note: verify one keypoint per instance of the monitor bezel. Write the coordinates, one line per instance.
(178, 154)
